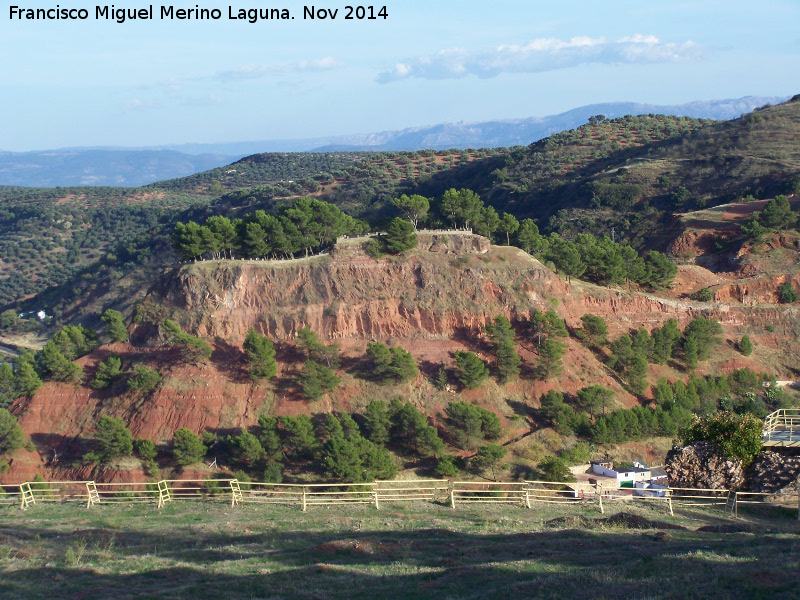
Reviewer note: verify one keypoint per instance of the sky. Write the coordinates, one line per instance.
(72, 83)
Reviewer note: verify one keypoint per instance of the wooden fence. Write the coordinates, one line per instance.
(761, 499)
(376, 493)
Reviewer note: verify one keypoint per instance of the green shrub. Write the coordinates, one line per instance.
(243, 479)
(703, 295)
(787, 293)
(373, 248)
(737, 436)
(554, 469)
(273, 472)
(446, 467)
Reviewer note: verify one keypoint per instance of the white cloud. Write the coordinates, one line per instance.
(543, 54)
(256, 71)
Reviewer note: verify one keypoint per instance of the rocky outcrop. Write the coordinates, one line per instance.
(700, 465)
(429, 295)
(774, 473)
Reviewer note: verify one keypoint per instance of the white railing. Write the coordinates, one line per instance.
(526, 493)
(783, 425)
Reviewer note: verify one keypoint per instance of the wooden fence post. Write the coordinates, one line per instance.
(304, 498)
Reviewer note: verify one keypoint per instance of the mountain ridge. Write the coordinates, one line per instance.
(132, 167)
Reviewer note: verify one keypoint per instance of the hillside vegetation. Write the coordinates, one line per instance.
(629, 173)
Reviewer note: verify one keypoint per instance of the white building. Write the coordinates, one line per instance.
(629, 476)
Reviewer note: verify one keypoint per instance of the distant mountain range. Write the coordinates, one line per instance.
(130, 167)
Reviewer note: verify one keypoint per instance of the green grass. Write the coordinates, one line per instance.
(208, 550)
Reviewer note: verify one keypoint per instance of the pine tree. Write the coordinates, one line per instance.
(490, 457)
(529, 239)
(260, 355)
(316, 350)
(12, 437)
(193, 349)
(414, 208)
(690, 350)
(376, 422)
(269, 437)
(660, 270)
(636, 373)
(594, 398)
(349, 425)
(341, 460)
(745, 346)
(595, 330)
(549, 362)
(411, 430)
(777, 214)
(331, 427)
(706, 333)
(377, 462)
(317, 380)
(145, 448)
(187, 447)
(664, 340)
(273, 472)
(57, 366)
(8, 385)
(400, 236)
(391, 364)
(144, 379)
(297, 435)
(113, 438)
(446, 467)
(107, 372)
(440, 381)
(501, 334)
(470, 370)
(508, 225)
(403, 367)
(464, 422)
(786, 293)
(245, 448)
(115, 326)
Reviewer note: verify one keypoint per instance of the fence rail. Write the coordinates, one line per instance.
(764, 498)
(455, 493)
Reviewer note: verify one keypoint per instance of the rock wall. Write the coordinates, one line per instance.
(700, 465)
(776, 473)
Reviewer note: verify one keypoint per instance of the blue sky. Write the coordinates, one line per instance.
(141, 83)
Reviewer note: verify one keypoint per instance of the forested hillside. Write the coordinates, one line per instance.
(630, 174)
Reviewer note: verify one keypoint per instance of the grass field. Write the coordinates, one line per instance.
(208, 550)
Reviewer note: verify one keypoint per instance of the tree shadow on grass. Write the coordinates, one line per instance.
(189, 561)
